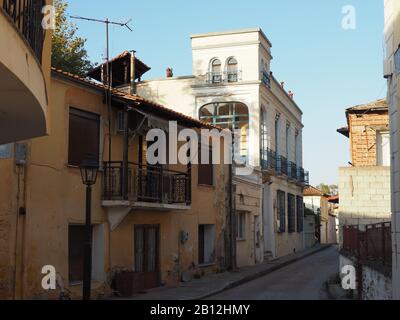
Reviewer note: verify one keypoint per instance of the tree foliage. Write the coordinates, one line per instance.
(68, 49)
(328, 189)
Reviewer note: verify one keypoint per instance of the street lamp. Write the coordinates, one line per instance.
(89, 168)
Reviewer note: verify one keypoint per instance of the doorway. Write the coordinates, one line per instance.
(147, 252)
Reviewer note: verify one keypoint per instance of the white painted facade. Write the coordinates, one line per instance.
(264, 97)
(392, 73)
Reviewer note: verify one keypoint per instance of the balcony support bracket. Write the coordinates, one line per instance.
(116, 215)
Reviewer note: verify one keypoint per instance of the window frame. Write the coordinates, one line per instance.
(235, 120)
(210, 166)
(203, 242)
(89, 116)
(281, 210)
(241, 223)
(232, 69)
(291, 213)
(300, 213)
(379, 150)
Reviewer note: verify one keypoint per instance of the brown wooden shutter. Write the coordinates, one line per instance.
(84, 136)
(206, 171)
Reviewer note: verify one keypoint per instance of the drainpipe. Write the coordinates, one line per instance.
(232, 209)
(133, 73)
(125, 169)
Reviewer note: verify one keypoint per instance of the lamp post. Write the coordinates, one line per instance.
(89, 168)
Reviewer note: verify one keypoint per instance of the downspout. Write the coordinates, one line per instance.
(232, 224)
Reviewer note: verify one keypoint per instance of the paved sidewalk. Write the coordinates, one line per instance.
(208, 286)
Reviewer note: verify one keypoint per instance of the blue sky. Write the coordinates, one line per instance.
(328, 68)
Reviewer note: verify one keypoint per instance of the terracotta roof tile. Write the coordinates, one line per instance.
(136, 98)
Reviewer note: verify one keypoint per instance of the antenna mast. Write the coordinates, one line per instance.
(108, 83)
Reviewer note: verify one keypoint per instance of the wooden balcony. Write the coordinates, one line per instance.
(146, 187)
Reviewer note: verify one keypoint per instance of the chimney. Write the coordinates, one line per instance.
(133, 73)
(291, 94)
(282, 84)
(169, 72)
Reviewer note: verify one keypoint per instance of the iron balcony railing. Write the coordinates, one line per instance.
(271, 161)
(152, 184)
(268, 159)
(27, 17)
(266, 78)
(292, 171)
(282, 165)
(223, 77)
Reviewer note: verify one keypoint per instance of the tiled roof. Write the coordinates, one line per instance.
(148, 105)
(313, 192)
(375, 105)
(333, 199)
(141, 67)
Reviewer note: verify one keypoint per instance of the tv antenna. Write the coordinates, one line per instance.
(108, 83)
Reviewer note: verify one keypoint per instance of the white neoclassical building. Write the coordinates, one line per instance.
(232, 86)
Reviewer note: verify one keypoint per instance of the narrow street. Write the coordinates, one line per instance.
(303, 280)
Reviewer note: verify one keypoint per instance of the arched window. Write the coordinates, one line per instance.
(216, 71)
(232, 70)
(233, 116)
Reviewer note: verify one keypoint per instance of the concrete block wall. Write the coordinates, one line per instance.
(365, 196)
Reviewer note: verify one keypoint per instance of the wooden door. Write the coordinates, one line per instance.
(147, 256)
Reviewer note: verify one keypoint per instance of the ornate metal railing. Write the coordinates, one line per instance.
(268, 159)
(223, 77)
(27, 17)
(152, 184)
(271, 161)
(292, 171)
(282, 165)
(266, 78)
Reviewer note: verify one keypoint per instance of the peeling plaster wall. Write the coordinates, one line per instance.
(376, 286)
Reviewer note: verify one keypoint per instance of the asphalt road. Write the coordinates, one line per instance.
(302, 280)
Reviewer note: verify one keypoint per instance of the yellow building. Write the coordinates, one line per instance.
(25, 59)
(392, 74)
(154, 225)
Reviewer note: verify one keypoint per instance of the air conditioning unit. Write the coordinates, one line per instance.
(387, 68)
(120, 122)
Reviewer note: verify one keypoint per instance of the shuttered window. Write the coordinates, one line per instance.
(206, 171)
(84, 136)
(281, 209)
(300, 214)
(291, 213)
